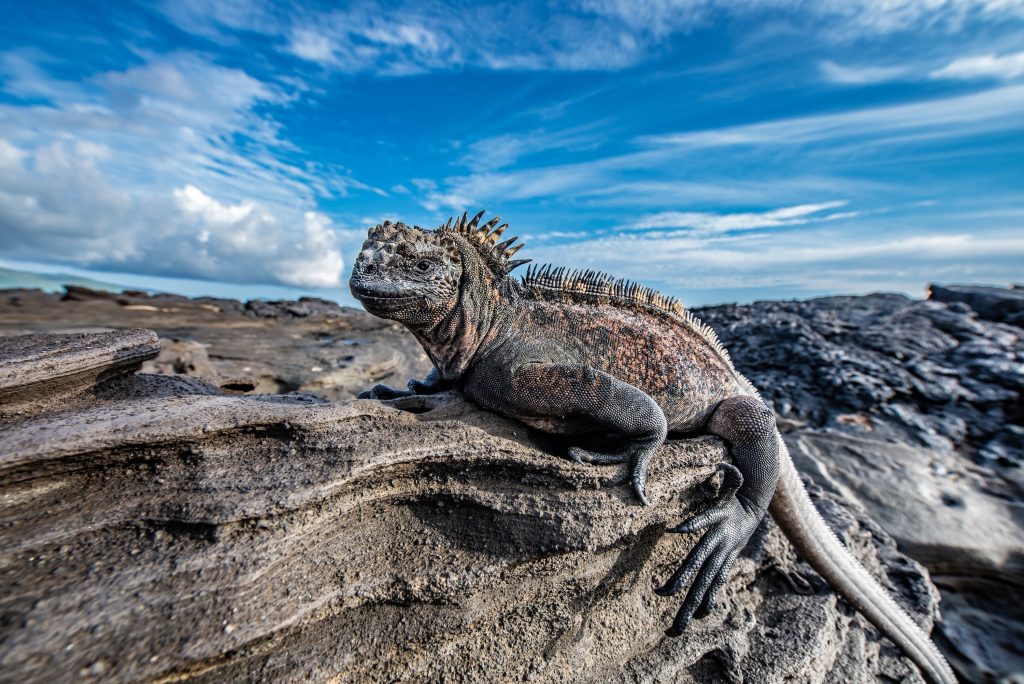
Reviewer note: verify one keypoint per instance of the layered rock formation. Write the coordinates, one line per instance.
(157, 528)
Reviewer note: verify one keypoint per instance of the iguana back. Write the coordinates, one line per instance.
(634, 334)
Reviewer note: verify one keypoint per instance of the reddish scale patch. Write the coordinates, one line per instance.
(667, 360)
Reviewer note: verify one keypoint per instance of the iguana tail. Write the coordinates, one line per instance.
(794, 512)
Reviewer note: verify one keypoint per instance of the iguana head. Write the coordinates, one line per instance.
(418, 277)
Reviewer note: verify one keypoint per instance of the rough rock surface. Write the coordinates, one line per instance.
(991, 303)
(308, 345)
(158, 529)
(914, 410)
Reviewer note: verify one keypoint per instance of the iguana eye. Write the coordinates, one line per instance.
(423, 266)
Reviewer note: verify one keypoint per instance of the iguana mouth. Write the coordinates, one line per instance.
(363, 294)
(387, 298)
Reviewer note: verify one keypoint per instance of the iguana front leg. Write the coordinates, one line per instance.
(581, 394)
(748, 428)
(432, 384)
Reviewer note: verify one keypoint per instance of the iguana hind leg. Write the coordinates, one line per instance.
(543, 392)
(748, 428)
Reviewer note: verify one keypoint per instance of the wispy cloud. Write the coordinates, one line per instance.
(836, 19)
(987, 111)
(412, 37)
(705, 223)
(801, 262)
(607, 179)
(1004, 67)
(861, 75)
(707, 140)
(501, 151)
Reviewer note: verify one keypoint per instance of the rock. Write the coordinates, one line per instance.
(991, 303)
(912, 409)
(918, 369)
(309, 345)
(906, 382)
(1006, 449)
(39, 372)
(167, 531)
(943, 512)
(81, 293)
(181, 357)
(305, 306)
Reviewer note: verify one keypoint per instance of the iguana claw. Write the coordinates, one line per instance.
(637, 455)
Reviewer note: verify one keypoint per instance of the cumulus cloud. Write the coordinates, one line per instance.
(56, 204)
(169, 167)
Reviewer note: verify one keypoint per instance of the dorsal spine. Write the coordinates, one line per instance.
(550, 283)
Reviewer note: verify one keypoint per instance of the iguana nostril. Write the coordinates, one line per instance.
(369, 268)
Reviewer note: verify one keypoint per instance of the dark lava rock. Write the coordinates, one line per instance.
(913, 369)
(913, 409)
(305, 306)
(990, 303)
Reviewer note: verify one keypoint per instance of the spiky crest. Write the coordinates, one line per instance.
(561, 284)
(485, 239)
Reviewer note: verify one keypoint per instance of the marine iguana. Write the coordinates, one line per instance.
(572, 352)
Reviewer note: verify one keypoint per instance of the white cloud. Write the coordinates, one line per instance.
(10, 156)
(407, 37)
(57, 205)
(412, 37)
(708, 223)
(611, 179)
(248, 234)
(311, 45)
(365, 39)
(171, 167)
(1003, 67)
(839, 18)
(861, 75)
(499, 151)
(803, 262)
(316, 260)
(987, 111)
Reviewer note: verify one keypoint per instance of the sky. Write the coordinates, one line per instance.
(718, 151)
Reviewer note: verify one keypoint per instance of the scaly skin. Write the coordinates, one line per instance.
(573, 353)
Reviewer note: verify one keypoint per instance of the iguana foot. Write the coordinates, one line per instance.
(638, 454)
(706, 568)
(384, 392)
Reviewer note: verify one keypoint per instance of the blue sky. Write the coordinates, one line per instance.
(720, 151)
